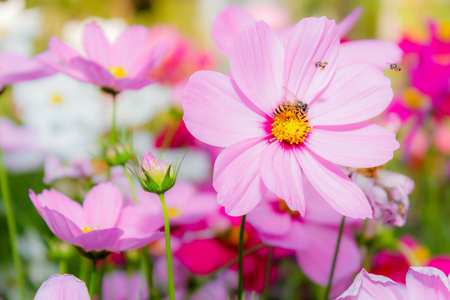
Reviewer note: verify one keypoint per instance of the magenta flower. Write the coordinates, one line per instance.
(102, 223)
(421, 283)
(60, 287)
(377, 53)
(117, 67)
(277, 153)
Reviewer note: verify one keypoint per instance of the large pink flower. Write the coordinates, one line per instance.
(102, 223)
(377, 53)
(122, 65)
(264, 152)
(421, 283)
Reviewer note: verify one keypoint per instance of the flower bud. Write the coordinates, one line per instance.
(156, 176)
(118, 155)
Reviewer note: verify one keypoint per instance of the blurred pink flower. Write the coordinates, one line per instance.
(119, 286)
(277, 153)
(313, 236)
(230, 21)
(17, 68)
(421, 283)
(62, 287)
(77, 168)
(102, 223)
(14, 137)
(117, 67)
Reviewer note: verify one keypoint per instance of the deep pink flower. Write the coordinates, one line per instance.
(264, 152)
(17, 68)
(421, 283)
(102, 223)
(59, 287)
(117, 67)
(378, 53)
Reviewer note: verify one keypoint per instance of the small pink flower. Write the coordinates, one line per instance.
(14, 137)
(62, 287)
(77, 168)
(421, 283)
(277, 153)
(102, 223)
(120, 286)
(117, 67)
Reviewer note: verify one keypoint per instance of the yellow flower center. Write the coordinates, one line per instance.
(173, 212)
(445, 31)
(56, 99)
(118, 71)
(290, 127)
(87, 228)
(282, 206)
(233, 236)
(370, 172)
(414, 99)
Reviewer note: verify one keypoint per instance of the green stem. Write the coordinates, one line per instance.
(92, 285)
(267, 277)
(168, 251)
(130, 180)
(11, 227)
(149, 272)
(84, 269)
(240, 258)
(330, 280)
(113, 126)
(62, 266)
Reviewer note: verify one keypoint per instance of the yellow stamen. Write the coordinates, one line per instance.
(173, 212)
(57, 99)
(282, 206)
(290, 127)
(445, 31)
(370, 172)
(87, 228)
(233, 236)
(118, 71)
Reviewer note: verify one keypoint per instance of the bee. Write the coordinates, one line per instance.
(395, 67)
(300, 108)
(321, 65)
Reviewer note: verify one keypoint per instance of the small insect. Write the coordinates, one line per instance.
(321, 65)
(395, 67)
(291, 101)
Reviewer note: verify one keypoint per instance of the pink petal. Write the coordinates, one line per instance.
(334, 186)
(373, 287)
(256, 62)
(60, 287)
(125, 244)
(227, 25)
(130, 46)
(282, 175)
(94, 73)
(148, 61)
(280, 223)
(296, 238)
(347, 23)
(311, 40)
(216, 113)
(427, 283)
(102, 206)
(131, 83)
(60, 225)
(361, 145)
(57, 67)
(65, 52)
(96, 45)
(60, 203)
(377, 53)
(237, 177)
(316, 259)
(356, 93)
(98, 239)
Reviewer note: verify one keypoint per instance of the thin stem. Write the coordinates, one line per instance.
(267, 278)
(171, 284)
(92, 285)
(240, 258)
(330, 280)
(113, 126)
(84, 269)
(149, 272)
(11, 227)
(62, 266)
(130, 180)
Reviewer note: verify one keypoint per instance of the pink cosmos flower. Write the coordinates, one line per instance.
(277, 153)
(13, 137)
(102, 223)
(61, 287)
(119, 286)
(421, 283)
(17, 68)
(378, 53)
(313, 236)
(117, 67)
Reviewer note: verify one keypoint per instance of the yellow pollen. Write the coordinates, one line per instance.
(173, 212)
(233, 236)
(87, 228)
(290, 127)
(370, 172)
(57, 99)
(282, 206)
(118, 72)
(445, 31)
